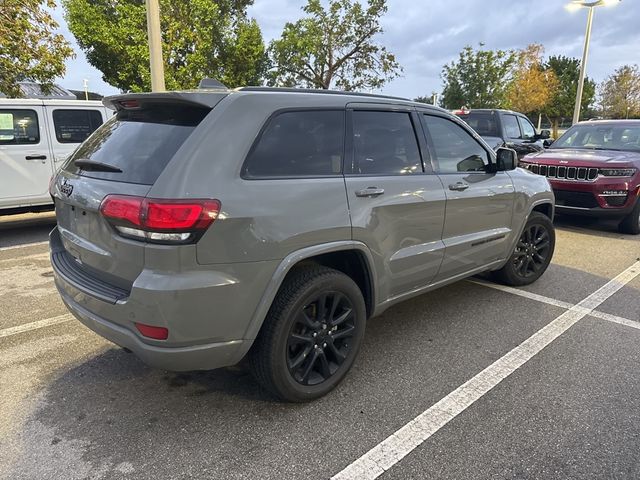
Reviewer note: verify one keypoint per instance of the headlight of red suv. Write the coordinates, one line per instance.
(617, 172)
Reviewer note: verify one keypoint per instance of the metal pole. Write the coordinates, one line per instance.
(583, 66)
(85, 84)
(155, 46)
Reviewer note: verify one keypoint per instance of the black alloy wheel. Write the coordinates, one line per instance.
(532, 251)
(320, 338)
(311, 335)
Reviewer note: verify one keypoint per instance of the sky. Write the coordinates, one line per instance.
(426, 34)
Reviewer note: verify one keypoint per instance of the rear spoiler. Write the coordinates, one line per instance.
(134, 101)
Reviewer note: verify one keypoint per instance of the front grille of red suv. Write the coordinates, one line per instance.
(569, 198)
(582, 174)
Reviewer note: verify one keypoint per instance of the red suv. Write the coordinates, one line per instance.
(594, 169)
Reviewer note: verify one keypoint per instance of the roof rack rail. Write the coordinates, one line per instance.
(317, 90)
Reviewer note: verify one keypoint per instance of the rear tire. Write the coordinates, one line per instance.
(631, 223)
(532, 254)
(311, 335)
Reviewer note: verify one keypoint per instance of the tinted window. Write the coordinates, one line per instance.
(527, 129)
(511, 128)
(18, 127)
(455, 149)
(384, 143)
(138, 142)
(299, 144)
(483, 123)
(75, 126)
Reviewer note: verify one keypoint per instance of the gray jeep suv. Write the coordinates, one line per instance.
(197, 228)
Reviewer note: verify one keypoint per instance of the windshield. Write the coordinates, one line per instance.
(483, 123)
(601, 137)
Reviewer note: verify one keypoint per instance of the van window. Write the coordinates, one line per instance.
(75, 126)
(384, 143)
(139, 142)
(19, 127)
(299, 144)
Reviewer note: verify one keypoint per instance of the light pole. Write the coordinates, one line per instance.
(591, 5)
(155, 46)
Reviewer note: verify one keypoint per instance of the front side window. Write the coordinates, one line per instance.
(75, 126)
(511, 128)
(18, 127)
(455, 149)
(384, 143)
(299, 144)
(527, 129)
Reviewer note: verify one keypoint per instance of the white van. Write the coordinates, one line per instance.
(36, 136)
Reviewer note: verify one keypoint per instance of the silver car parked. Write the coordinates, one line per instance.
(196, 228)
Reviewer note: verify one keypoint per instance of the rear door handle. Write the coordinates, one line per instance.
(36, 157)
(459, 186)
(369, 192)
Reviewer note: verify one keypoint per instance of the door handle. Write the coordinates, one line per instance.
(459, 186)
(369, 192)
(36, 157)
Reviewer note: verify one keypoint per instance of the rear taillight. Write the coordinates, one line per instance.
(149, 331)
(159, 220)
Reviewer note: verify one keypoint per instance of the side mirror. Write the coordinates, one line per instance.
(506, 159)
(547, 143)
(544, 134)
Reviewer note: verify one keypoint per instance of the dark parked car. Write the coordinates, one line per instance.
(594, 170)
(504, 128)
(195, 228)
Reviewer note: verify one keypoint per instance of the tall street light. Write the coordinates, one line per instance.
(591, 5)
(155, 46)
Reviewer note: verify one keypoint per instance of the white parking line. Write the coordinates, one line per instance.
(525, 294)
(559, 303)
(395, 447)
(7, 332)
(24, 245)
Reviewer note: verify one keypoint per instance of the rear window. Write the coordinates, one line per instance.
(19, 127)
(299, 144)
(138, 142)
(75, 126)
(483, 123)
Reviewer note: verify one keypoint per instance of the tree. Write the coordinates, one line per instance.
(479, 78)
(620, 93)
(532, 86)
(200, 38)
(29, 47)
(334, 46)
(562, 103)
(428, 100)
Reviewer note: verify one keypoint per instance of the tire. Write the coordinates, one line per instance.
(532, 254)
(631, 223)
(294, 356)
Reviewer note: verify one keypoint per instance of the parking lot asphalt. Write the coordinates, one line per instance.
(74, 406)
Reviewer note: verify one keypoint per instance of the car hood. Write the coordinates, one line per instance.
(583, 157)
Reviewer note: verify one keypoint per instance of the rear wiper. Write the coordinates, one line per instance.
(92, 165)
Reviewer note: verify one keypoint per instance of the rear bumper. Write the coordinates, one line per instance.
(196, 357)
(206, 309)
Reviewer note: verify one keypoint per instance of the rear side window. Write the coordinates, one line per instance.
(455, 149)
(511, 128)
(384, 143)
(18, 127)
(75, 126)
(139, 142)
(483, 123)
(299, 144)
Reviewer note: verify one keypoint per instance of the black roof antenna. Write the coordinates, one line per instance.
(211, 83)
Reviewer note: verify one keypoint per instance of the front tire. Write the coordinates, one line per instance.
(631, 223)
(532, 254)
(311, 335)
